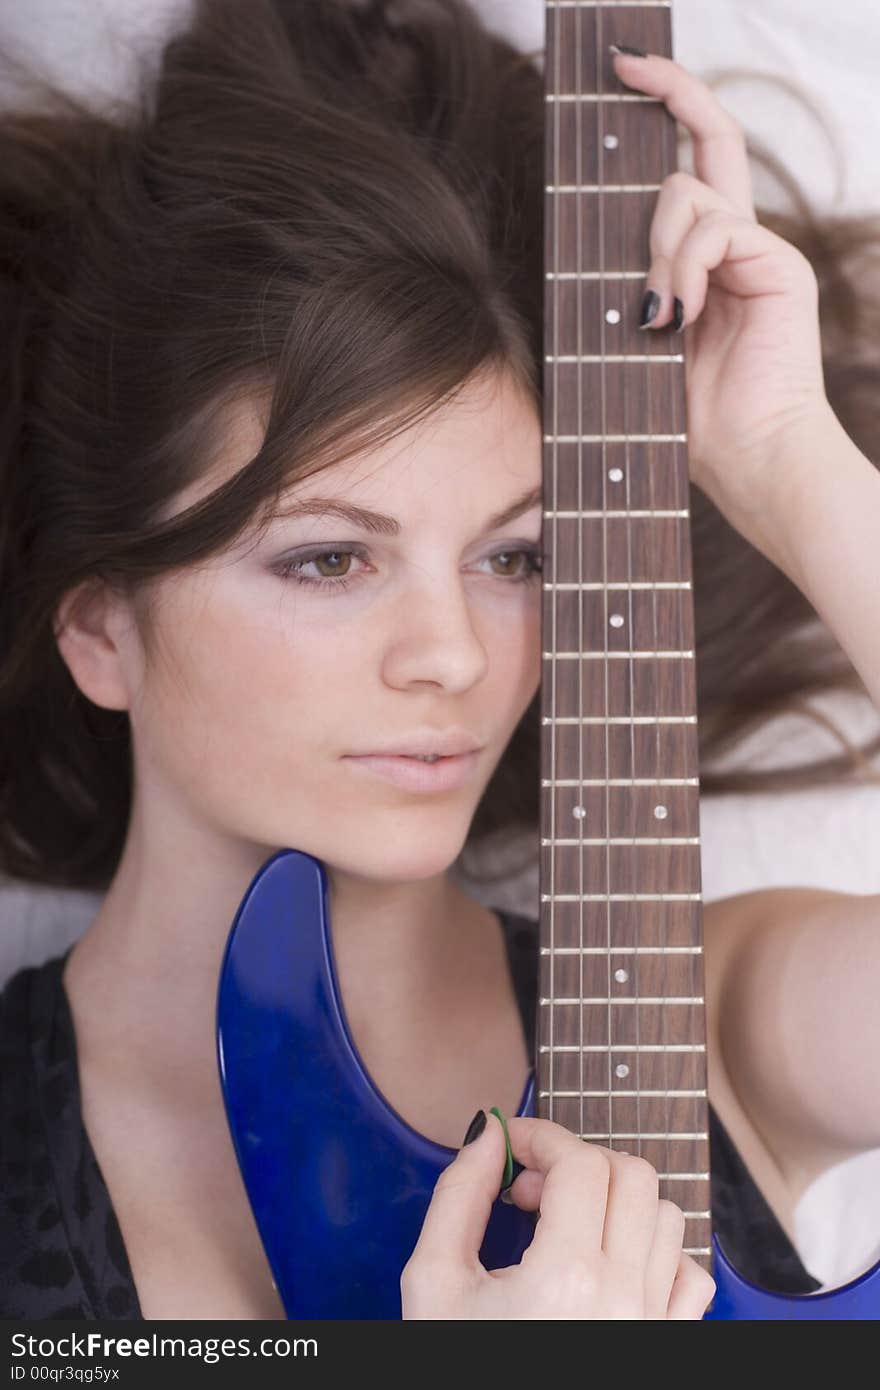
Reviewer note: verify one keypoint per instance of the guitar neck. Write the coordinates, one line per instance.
(621, 1042)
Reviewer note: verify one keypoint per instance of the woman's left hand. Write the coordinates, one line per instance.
(753, 361)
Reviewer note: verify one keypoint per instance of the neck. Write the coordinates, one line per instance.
(142, 980)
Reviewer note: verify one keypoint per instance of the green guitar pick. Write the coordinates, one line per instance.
(507, 1179)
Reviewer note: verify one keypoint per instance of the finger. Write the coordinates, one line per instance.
(525, 1190)
(631, 1212)
(692, 1291)
(681, 202)
(720, 157)
(575, 1189)
(663, 1260)
(752, 261)
(455, 1223)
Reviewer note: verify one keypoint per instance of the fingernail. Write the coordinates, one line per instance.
(627, 48)
(650, 305)
(475, 1128)
(677, 314)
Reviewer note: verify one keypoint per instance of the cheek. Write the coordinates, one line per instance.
(238, 712)
(516, 653)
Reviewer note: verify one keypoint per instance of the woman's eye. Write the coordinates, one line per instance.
(530, 566)
(334, 569)
(334, 561)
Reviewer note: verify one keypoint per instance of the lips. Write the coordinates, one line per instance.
(411, 774)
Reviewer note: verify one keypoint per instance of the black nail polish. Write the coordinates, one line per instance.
(678, 314)
(650, 305)
(475, 1128)
(627, 48)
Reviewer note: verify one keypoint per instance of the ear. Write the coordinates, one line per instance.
(96, 633)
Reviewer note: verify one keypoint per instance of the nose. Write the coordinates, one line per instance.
(434, 637)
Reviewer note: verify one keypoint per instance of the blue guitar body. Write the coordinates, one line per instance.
(338, 1182)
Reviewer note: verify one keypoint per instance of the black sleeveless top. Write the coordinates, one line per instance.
(61, 1249)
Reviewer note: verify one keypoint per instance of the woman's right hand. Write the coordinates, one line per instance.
(605, 1245)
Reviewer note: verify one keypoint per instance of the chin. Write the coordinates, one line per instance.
(404, 859)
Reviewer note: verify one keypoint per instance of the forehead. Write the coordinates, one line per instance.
(490, 429)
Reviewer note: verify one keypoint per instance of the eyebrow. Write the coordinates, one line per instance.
(387, 525)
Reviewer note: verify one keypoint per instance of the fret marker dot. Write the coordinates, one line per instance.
(616, 475)
(621, 1069)
(616, 620)
(610, 142)
(660, 812)
(612, 316)
(578, 813)
(621, 976)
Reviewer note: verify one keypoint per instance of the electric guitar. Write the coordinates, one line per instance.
(338, 1182)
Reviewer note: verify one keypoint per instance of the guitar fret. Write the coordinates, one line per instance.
(623, 1047)
(596, 274)
(620, 950)
(685, 1177)
(602, 187)
(594, 1135)
(622, 897)
(594, 1095)
(630, 999)
(620, 782)
(697, 1215)
(601, 96)
(608, 4)
(636, 584)
(614, 656)
(696, 1249)
(643, 512)
(616, 438)
(629, 840)
(613, 357)
(620, 719)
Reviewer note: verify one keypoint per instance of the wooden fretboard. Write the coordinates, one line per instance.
(621, 1056)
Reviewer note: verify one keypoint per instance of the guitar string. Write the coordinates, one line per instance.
(555, 553)
(633, 914)
(687, 677)
(663, 908)
(602, 263)
(600, 283)
(578, 124)
(603, 385)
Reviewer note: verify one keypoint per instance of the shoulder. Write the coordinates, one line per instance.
(736, 927)
(748, 943)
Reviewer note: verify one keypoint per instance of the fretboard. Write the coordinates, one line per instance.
(621, 1056)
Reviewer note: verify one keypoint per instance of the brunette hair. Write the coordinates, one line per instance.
(338, 208)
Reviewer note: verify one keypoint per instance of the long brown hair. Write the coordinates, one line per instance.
(337, 207)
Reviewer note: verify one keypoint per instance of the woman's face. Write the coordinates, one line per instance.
(269, 682)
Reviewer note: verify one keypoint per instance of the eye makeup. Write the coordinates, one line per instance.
(292, 568)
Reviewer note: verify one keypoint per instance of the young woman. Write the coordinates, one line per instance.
(271, 463)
